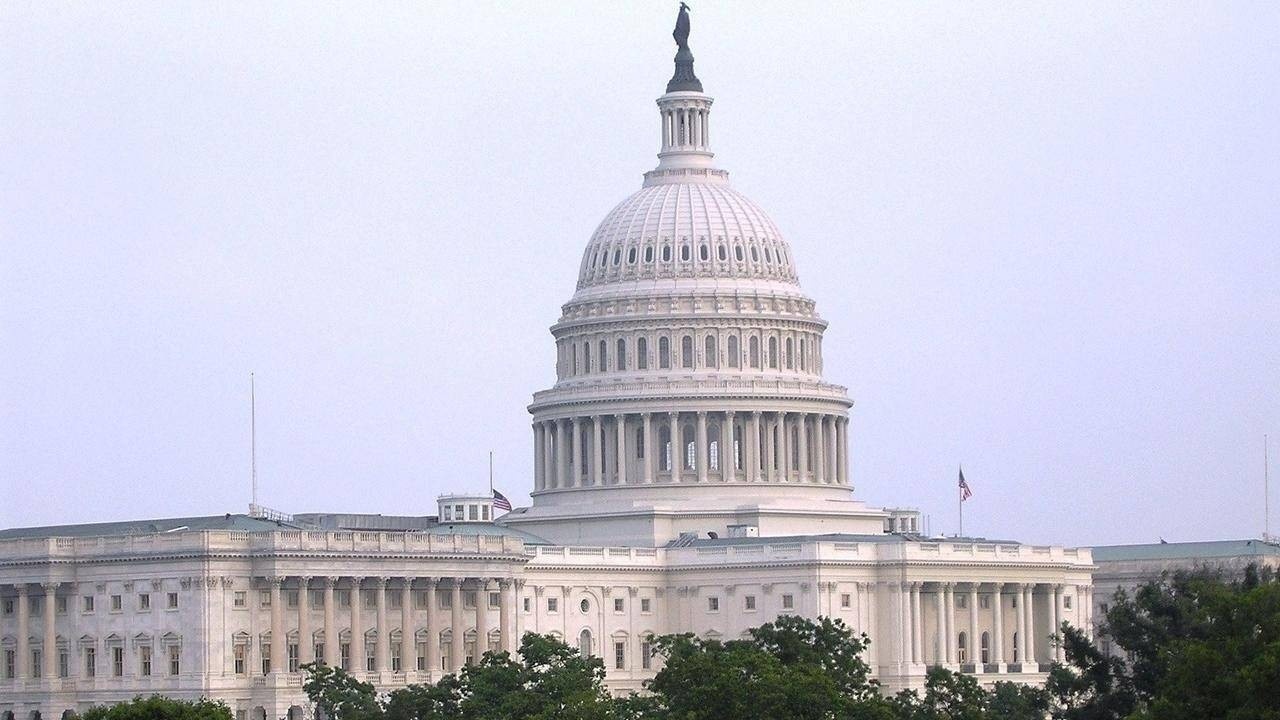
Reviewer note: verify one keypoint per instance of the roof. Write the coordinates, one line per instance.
(228, 521)
(1186, 550)
(830, 537)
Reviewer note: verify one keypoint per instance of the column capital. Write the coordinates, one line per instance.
(304, 581)
(755, 414)
(330, 581)
(381, 582)
(356, 580)
(620, 417)
(275, 581)
(50, 587)
(702, 413)
(408, 580)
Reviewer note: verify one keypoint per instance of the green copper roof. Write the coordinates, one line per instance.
(1185, 550)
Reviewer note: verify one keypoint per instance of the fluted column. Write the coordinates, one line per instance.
(701, 454)
(785, 444)
(1029, 608)
(549, 478)
(408, 636)
(649, 448)
(331, 640)
(676, 450)
(949, 608)
(940, 631)
(1057, 623)
(538, 459)
(729, 453)
(597, 450)
(802, 431)
(357, 628)
(433, 628)
(24, 632)
(975, 644)
(458, 646)
(562, 454)
(819, 448)
(842, 441)
(997, 620)
(620, 461)
(576, 470)
(278, 634)
(482, 617)
(771, 449)
(382, 648)
(505, 617)
(752, 448)
(917, 625)
(306, 648)
(829, 430)
(1020, 648)
(50, 654)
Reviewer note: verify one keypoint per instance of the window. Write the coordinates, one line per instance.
(86, 604)
(1104, 608)
(686, 351)
(788, 601)
(645, 605)
(144, 661)
(755, 254)
(527, 604)
(175, 660)
(264, 598)
(495, 600)
(646, 655)
(144, 601)
(664, 353)
(773, 353)
(791, 355)
(344, 656)
(117, 661)
(444, 600)
(984, 602)
(753, 352)
(690, 449)
(294, 660)
(684, 253)
(37, 662)
(985, 648)
(722, 253)
(448, 513)
(64, 663)
(422, 599)
(264, 651)
(90, 662)
(585, 605)
(639, 443)
(473, 513)
(584, 643)
(395, 656)
(10, 664)
(734, 356)
(553, 605)
(8, 606)
(617, 605)
(1066, 602)
(422, 657)
(749, 602)
(239, 600)
(631, 256)
(60, 604)
(240, 652)
(642, 353)
(648, 254)
(604, 356)
(318, 649)
(846, 601)
(622, 354)
(586, 358)
(962, 602)
(711, 356)
(469, 599)
(619, 655)
(713, 604)
(703, 253)
(617, 256)
(173, 600)
(1016, 656)
(666, 253)
(394, 601)
(962, 648)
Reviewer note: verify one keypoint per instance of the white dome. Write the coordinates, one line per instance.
(686, 230)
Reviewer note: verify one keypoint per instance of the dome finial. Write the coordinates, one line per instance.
(683, 79)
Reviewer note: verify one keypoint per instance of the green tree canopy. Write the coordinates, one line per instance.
(158, 707)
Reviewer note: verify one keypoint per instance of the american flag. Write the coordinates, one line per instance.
(501, 502)
(965, 492)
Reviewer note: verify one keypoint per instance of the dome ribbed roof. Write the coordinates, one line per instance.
(686, 230)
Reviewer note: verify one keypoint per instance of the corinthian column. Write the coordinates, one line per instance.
(457, 646)
(382, 650)
(575, 460)
(482, 618)
(676, 450)
(433, 628)
(753, 448)
(597, 450)
(278, 634)
(701, 454)
(620, 457)
(331, 639)
(306, 649)
(538, 481)
(505, 618)
(24, 632)
(802, 430)
(358, 664)
(50, 654)
(649, 448)
(562, 455)
(408, 638)
(729, 455)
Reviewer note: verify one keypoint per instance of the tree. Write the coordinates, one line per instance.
(1090, 686)
(158, 707)
(336, 694)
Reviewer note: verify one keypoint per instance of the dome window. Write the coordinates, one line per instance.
(686, 351)
(768, 256)
(754, 352)
(664, 353)
(755, 254)
(604, 355)
(666, 253)
(631, 256)
(773, 353)
(724, 255)
(703, 253)
(712, 356)
(734, 360)
(648, 254)
(622, 354)
(684, 253)
(642, 353)
(617, 257)
(586, 358)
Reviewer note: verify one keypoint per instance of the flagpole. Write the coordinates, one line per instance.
(960, 505)
(490, 473)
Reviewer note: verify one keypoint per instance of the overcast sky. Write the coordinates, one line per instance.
(1046, 238)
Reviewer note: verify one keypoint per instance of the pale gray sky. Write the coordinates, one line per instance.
(1045, 237)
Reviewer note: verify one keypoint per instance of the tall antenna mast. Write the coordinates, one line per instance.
(253, 447)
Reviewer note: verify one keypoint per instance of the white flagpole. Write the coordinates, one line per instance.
(253, 448)
(490, 473)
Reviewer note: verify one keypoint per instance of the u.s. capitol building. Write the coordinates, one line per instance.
(690, 475)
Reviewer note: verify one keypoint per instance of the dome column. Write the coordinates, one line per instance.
(842, 462)
(575, 458)
(539, 481)
(562, 455)
(802, 436)
(785, 445)
(770, 449)
(729, 470)
(675, 446)
(753, 447)
(649, 448)
(620, 459)
(829, 429)
(597, 450)
(701, 454)
(548, 455)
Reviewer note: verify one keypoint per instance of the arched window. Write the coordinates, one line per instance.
(664, 353)
(712, 358)
(648, 254)
(617, 256)
(621, 359)
(735, 358)
(604, 356)
(642, 353)
(985, 648)
(962, 648)
(664, 441)
(795, 448)
(773, 353)
(713, 447)
(737, 252)
(666, 253)
(574, 351)
(631, 256)
(686, 351)
(639, 442)
(755, 254)
(791, 355)
(690, 448)
(1017, 654)
(703, 253)
(768, 255)
(586, 358)
(753, 349)
(684, 253)
(722, 253)
(584, 644)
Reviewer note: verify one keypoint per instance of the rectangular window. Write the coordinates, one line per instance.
(239, 661)
(646, 655)
(10, 664)
(117, 603)
(617, 605)
(241, 599)
(37, 663)
(291, 598)
(344, 598)
(318, 648)
(86, 604)
(60, 604)
(447, 514)
(173, 601)
(294, 660)
(393, 601)
(445, 600)
(484, 512)
(317, 598)
(395, 657)
(64, 663)
(713, 604)
(422, 598)
(527, 604)
(495, 599)
(469, 599)
(7, 606)
(1066, 602)
(117, 662)
(962, 602)
(984, 602)
(265, 651)
(175, 660)
(645, 605)
(144, 661)
(422, 657)
(369, 598)
(619, 655)
(370, 658)
(846, 600)
(788, 601)
(90, 662)
(144, 601)
(344, 656)
(553, 605)
(264, 598)
(749, 602)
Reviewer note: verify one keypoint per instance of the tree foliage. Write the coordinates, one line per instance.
(158, 707)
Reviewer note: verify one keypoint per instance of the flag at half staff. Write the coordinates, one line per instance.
(965, 492)
(501, 502)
